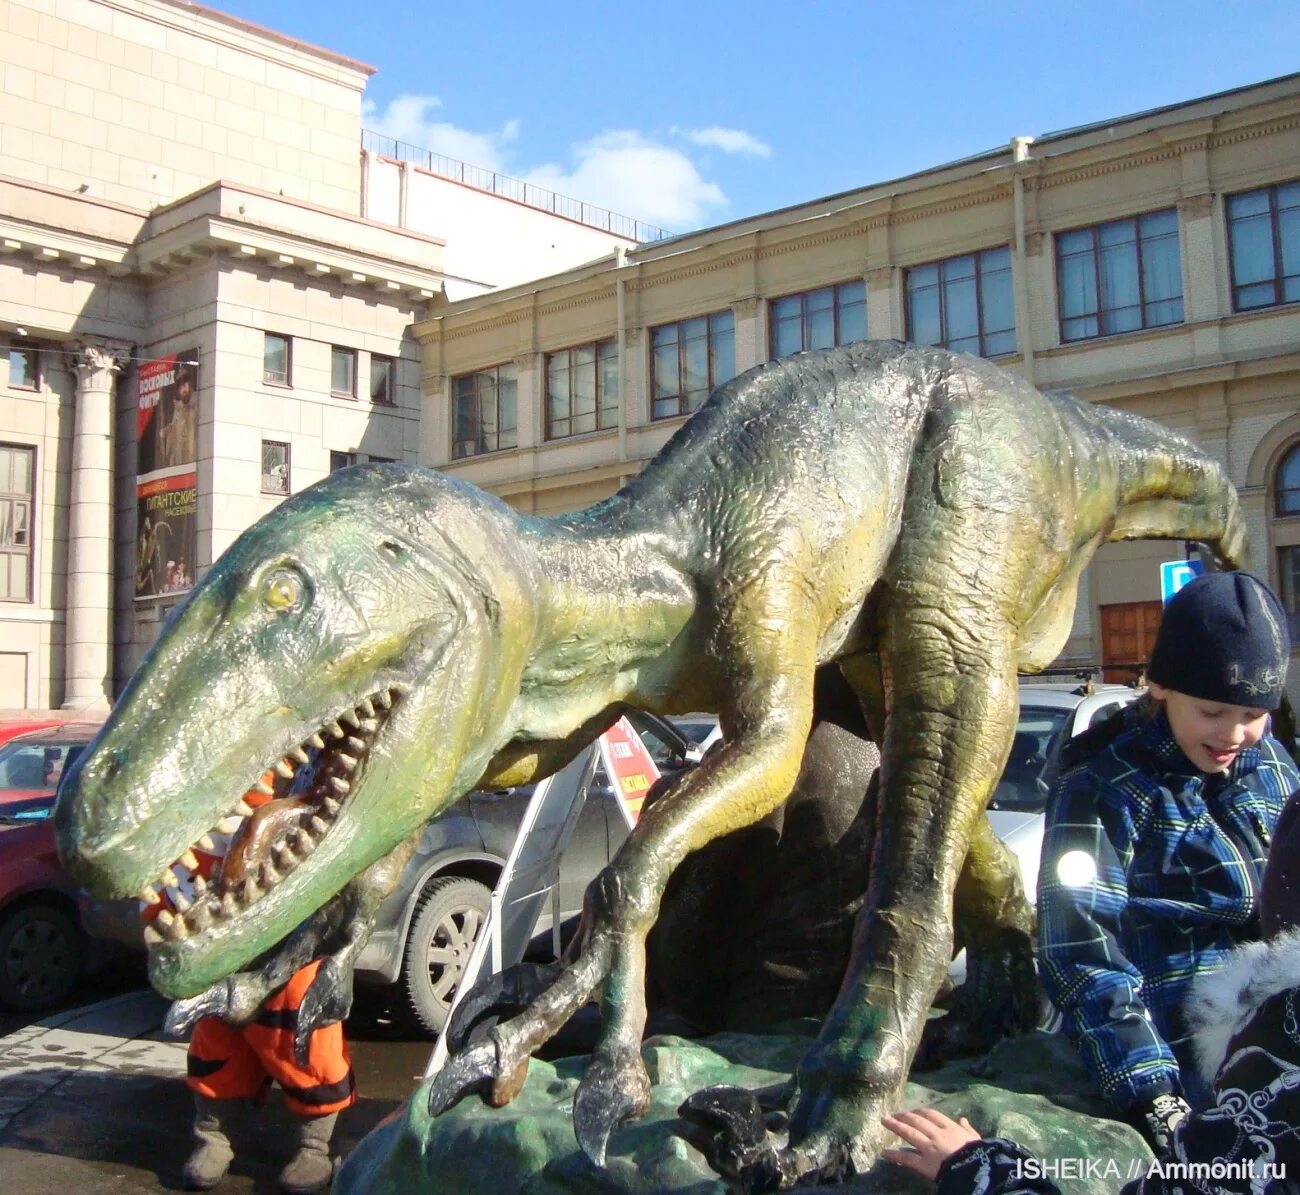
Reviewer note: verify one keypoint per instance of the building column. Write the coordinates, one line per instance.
(88, 638)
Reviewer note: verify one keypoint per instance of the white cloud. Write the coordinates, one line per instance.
(627, 173)
(621, 170)
(730, 141)
(407, 119)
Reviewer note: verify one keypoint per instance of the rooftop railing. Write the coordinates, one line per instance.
(513, 188)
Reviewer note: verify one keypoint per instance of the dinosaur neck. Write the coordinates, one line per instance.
(614, 598)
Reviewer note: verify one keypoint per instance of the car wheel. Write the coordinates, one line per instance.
(41, 958)
(447, 920)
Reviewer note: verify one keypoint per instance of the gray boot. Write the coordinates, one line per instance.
(212, 1156)
(311, 1168)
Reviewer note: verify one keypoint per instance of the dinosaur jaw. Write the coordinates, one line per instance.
(254, 866)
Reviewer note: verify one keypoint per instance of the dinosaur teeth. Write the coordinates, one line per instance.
(299, 755)
(268, 876)
(191, 860)
(152, 937)
(178, 931)
(265, 789)
(231, 823)
(228, 906)
(349, 764)
(149, 894)
(356, 745)
(206, 843)
(251, 891)
(317, 742)
(350, 717)
(332, 807)
(334, 730)
(384, 699)
(200, 887)
(180, 900)
(369, 725)
(367, 708)
(284, 769)
(244, 809)
(318, 824)
(304, 843)
(284, 855)
(200, 917)
(165, 919)
(340, 786)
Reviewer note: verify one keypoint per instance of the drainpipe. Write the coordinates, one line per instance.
(1019, 155)
(620, 264)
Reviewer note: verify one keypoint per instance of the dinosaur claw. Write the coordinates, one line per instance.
(501, 995)
(474, 1070)
(614, 1090)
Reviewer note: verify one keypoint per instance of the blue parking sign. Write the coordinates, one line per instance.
(1174, 574)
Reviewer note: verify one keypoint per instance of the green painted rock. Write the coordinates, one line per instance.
(1031, 1089)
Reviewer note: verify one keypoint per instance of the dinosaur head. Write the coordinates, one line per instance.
(358, 627)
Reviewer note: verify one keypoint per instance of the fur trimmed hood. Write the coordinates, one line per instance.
(1220, 1003)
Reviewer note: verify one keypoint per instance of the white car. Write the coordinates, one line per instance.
(1050, 715)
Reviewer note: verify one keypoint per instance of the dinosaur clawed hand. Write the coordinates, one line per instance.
(491, 1055)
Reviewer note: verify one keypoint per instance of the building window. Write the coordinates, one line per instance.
(381, 460)
(484, 414)
(343, 372)
(277, 359)
(24, 368)
(383, 378)
(582, 390)
(1264, 240)
(688, 360)
(1119, 276)
(964, 303)
(17, 496)
(275, 467)
(341, 460)
(1286, 534)
(819, 319)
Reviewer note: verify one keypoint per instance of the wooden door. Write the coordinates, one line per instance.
(1128, 632)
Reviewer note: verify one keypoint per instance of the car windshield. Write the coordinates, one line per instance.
(34, 766)
(1018, 791)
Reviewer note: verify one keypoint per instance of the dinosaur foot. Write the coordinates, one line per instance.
(999, 999)
(745, 1143)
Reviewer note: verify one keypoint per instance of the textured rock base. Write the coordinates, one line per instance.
(1031, 1089)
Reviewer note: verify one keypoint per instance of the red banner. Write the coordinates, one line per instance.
(631, 769)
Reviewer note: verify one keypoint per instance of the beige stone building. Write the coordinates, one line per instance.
(1151, 262)
(207, 291)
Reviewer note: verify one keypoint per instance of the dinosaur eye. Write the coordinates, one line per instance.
(283, 590)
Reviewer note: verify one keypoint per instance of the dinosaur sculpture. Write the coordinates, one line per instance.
(917, 517)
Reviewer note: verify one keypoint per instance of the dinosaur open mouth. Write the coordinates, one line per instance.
(275, 825)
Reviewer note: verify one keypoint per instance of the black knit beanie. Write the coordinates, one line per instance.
(1223, 637)
(1279, 899)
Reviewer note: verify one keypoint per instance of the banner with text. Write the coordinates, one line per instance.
(630, 767)
(167, 434)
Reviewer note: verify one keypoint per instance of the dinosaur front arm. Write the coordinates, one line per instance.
(527, 761)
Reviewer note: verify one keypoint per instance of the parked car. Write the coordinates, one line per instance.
(1051, 714)
(31, 763)
(426, 928)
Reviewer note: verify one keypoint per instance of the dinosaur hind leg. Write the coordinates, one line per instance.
(995, 923)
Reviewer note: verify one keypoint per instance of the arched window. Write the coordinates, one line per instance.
(1288, 482)
(1286, 534)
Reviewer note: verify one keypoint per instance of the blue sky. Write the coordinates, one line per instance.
(691, 114)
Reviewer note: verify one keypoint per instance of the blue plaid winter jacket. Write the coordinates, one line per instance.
(1150, 873)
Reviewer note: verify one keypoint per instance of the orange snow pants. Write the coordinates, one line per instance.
(225, 1063)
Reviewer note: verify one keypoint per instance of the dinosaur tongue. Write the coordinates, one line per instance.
(268, 824)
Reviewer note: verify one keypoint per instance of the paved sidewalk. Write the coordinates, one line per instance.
(93, 1102)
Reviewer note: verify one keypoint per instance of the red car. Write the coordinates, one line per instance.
(31, 763)
(43, 949)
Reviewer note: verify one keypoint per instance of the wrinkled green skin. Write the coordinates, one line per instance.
(919, 517)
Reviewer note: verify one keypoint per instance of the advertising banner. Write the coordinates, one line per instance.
(631, 767)
(167, 431)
